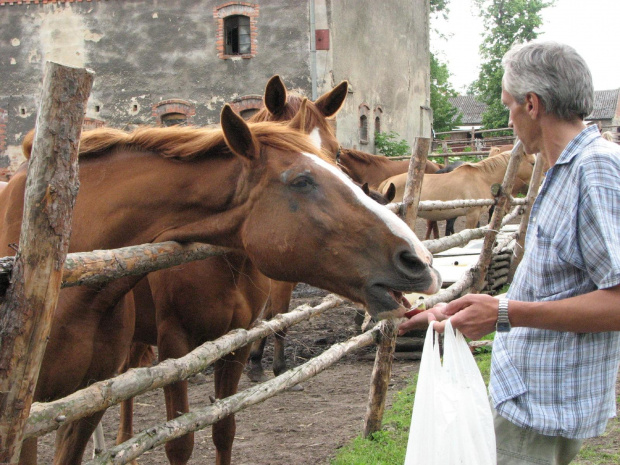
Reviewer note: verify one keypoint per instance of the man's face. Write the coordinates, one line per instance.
(521, 121)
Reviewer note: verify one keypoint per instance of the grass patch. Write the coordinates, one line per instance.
(389, 446)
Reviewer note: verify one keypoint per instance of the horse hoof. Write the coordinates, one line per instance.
(197, 379)
(296, 388)
(257, 376)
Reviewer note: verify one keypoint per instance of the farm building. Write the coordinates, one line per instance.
(179, 61)
(606, 113)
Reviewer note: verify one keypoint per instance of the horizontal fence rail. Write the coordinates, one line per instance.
(47, 417)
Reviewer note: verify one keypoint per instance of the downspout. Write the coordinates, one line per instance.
(313, 51)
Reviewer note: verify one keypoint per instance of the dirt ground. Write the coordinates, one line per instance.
(302, 428)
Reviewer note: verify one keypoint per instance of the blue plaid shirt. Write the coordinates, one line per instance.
(561, 383)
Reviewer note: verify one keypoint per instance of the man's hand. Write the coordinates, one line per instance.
(421, 320)
(474, 315)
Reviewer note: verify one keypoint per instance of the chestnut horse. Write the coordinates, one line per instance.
(177, 308)
(468, 181)
(177, 323)
(374, 169)
(263, 189)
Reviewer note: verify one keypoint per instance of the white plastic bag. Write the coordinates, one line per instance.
(451, 421)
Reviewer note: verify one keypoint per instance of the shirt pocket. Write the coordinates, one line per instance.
(548, 268)
(506, 382)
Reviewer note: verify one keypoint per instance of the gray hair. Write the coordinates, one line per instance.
(555, 72)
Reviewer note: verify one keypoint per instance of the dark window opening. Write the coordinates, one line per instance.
(135, 108)
(377, 124)
(237, 33)
(248, 113)
(363, 128)
(174, 119)
(97, 108)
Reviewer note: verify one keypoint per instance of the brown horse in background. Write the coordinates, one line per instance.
(468, 181)
(374, 169)
(262, 189)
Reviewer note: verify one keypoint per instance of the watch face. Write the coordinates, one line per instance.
(503, 327)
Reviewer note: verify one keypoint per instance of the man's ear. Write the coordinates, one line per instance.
(533, 105)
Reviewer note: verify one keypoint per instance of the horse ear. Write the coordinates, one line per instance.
(275, 95)
(391, 192)
(331, 102)
(237, 134)
(366, 189)
(299, 120)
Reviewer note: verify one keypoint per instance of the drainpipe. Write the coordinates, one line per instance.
(313, 51)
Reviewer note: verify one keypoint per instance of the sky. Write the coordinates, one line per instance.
(589, 26)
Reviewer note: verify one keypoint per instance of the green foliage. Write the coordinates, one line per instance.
(506, 22)
(388, 144)
(444, 114)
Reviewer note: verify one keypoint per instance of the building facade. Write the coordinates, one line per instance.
(179, 61)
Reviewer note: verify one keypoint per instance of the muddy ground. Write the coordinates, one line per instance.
(293, 428)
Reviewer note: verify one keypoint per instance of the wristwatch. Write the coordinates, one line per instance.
(503, 324)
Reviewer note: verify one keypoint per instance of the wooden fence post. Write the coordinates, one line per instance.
(503, 199)
(389, 328)
(51, 188)
(532, 192)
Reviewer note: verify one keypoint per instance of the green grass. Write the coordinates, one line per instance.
(388, 446)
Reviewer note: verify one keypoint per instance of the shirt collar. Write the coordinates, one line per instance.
(574, 146)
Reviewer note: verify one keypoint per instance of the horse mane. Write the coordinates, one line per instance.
(186, 143)
(489, 164)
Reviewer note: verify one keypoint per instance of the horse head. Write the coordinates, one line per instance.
(306, 221)
(281, 105)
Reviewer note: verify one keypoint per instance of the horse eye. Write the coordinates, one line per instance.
(302, 183)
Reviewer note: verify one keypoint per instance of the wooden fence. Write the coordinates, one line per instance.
(19, 420)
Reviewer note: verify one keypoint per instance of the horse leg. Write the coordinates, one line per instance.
(172, 342)
(429, 229)
(472, 217)
(281, 300)
(227, 373)
(71, 439)
(140, 354)
(435, 230)
(256, 372)
(450, 226)
(28, 454)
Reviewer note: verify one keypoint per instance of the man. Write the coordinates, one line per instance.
(557, 346)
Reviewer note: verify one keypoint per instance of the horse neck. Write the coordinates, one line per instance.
(146, 198)
(486, 174)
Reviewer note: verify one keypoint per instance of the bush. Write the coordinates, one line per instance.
(387, 144)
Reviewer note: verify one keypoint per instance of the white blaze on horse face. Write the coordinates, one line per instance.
(315, 137)
(397, 226)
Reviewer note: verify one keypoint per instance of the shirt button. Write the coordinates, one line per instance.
(534, 220)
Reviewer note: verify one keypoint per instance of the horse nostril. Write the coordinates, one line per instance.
(410, 261)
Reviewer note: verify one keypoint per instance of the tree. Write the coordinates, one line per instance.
(507, 22)
(444, 114)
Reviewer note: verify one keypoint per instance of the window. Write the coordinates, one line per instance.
(363, 129)
(174, 119)
(247, 105)
(364, 113)
(174, 112)
(236, 30)
(378, 114)
(237, 33)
